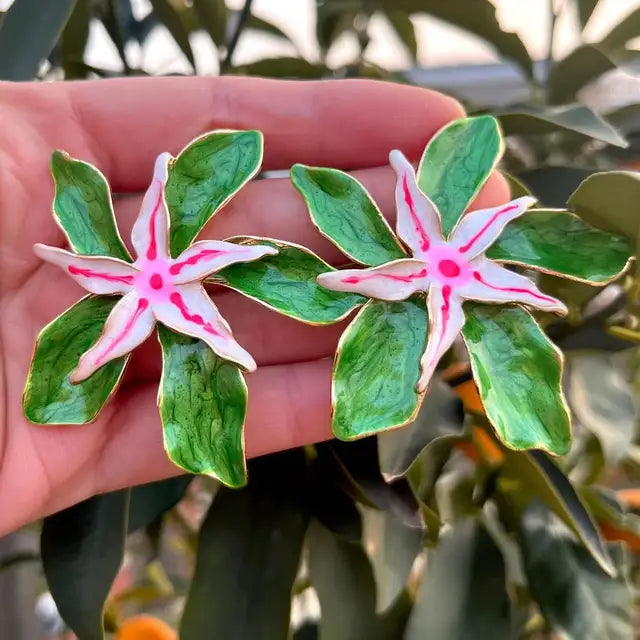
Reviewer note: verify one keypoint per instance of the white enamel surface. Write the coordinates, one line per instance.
(494, 283)
(150, 232)
(95, 274)
(189, 310)
(478, 230)
(395, 280)
(203, 258)
(446, 320)
(128, 325)
(418, 220)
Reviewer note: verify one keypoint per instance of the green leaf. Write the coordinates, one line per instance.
(212, 15)
(82, 549)
(516, 186)
(401, 23)
(457, 162)
(149, 501)
(559, 242)
(28, 33)
(74, 40)
(463, 592)
(284, 67)
(332, 20)
(609, 200)
(345, 213)
(553, 185)
(205, 176)
(248, 554)
(258, 24)
(343, 579)
(627, 29)
(287, 283)
(574, 118)
(377, 368)
(603, 402)
(440, 417)
(532, 476)
(82, 206)
(517, 371)
(49, 397)
(172, 20)
(583, 65)
(585, 9)
(576, 598)
(392, 549)
(203, 404)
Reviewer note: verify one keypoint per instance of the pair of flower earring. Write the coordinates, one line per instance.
(417, 290)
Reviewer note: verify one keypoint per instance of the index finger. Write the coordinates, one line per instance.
(348, 124)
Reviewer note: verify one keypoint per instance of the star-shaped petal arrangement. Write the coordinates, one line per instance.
(451, 270)
(444, 274)
(156, 287)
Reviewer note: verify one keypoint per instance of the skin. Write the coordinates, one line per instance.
(120, 126)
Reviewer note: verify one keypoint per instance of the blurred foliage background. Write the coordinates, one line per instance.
(433, 531)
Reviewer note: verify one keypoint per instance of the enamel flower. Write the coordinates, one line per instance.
(156, 287)
(450, 270)
(443, 275)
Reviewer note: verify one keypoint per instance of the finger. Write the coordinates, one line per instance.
(124, 123)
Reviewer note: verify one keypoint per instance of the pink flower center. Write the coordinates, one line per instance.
(449, 269)
(155, 281)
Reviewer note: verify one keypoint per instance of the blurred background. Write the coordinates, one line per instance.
(502, 535)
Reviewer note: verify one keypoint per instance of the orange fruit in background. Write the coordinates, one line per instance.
(145, 628)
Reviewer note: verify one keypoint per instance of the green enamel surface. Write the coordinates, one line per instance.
(377, 368)
(563, 244)
(287, 283)
(518, 373)
(82, 206)
(49, 397)
(204, 176)
(344, 212)
(203, 403)
(457, 162)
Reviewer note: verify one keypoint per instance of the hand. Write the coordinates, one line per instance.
(120, 126)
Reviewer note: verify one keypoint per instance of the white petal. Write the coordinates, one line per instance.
(418, 223)
(128, 325)
(151, 231)
(101, 275)
(478, 230)
(446, 320)
(190, 311)
(206, 257)
(395, 280)
(493, 283)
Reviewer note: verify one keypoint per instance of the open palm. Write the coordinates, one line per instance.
(121, 126)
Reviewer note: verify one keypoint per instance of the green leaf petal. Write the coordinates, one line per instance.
(82, 206)
(457, 162)
(212, 15)
(553, 185)
(149, 501)
(287, 283)
(577, 599)
(575, 118)
(401, 23)
(440, 416)
(49, 397)
(377, 368)
(344, 212)
(561, 243)
(73, 40)
(28, 33)
(172, 20)
(392, 549)
(518, 372)
(463, 591)
(284, 67)
(205, 176)
(248, 554)
(625, 30)
(203, 404)
(609, 200)
(82, 549)
(603, 402)
(258, 24)
(585, 9)
(532, 475)
(343, 579)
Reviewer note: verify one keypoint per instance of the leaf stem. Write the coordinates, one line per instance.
(232, 43)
